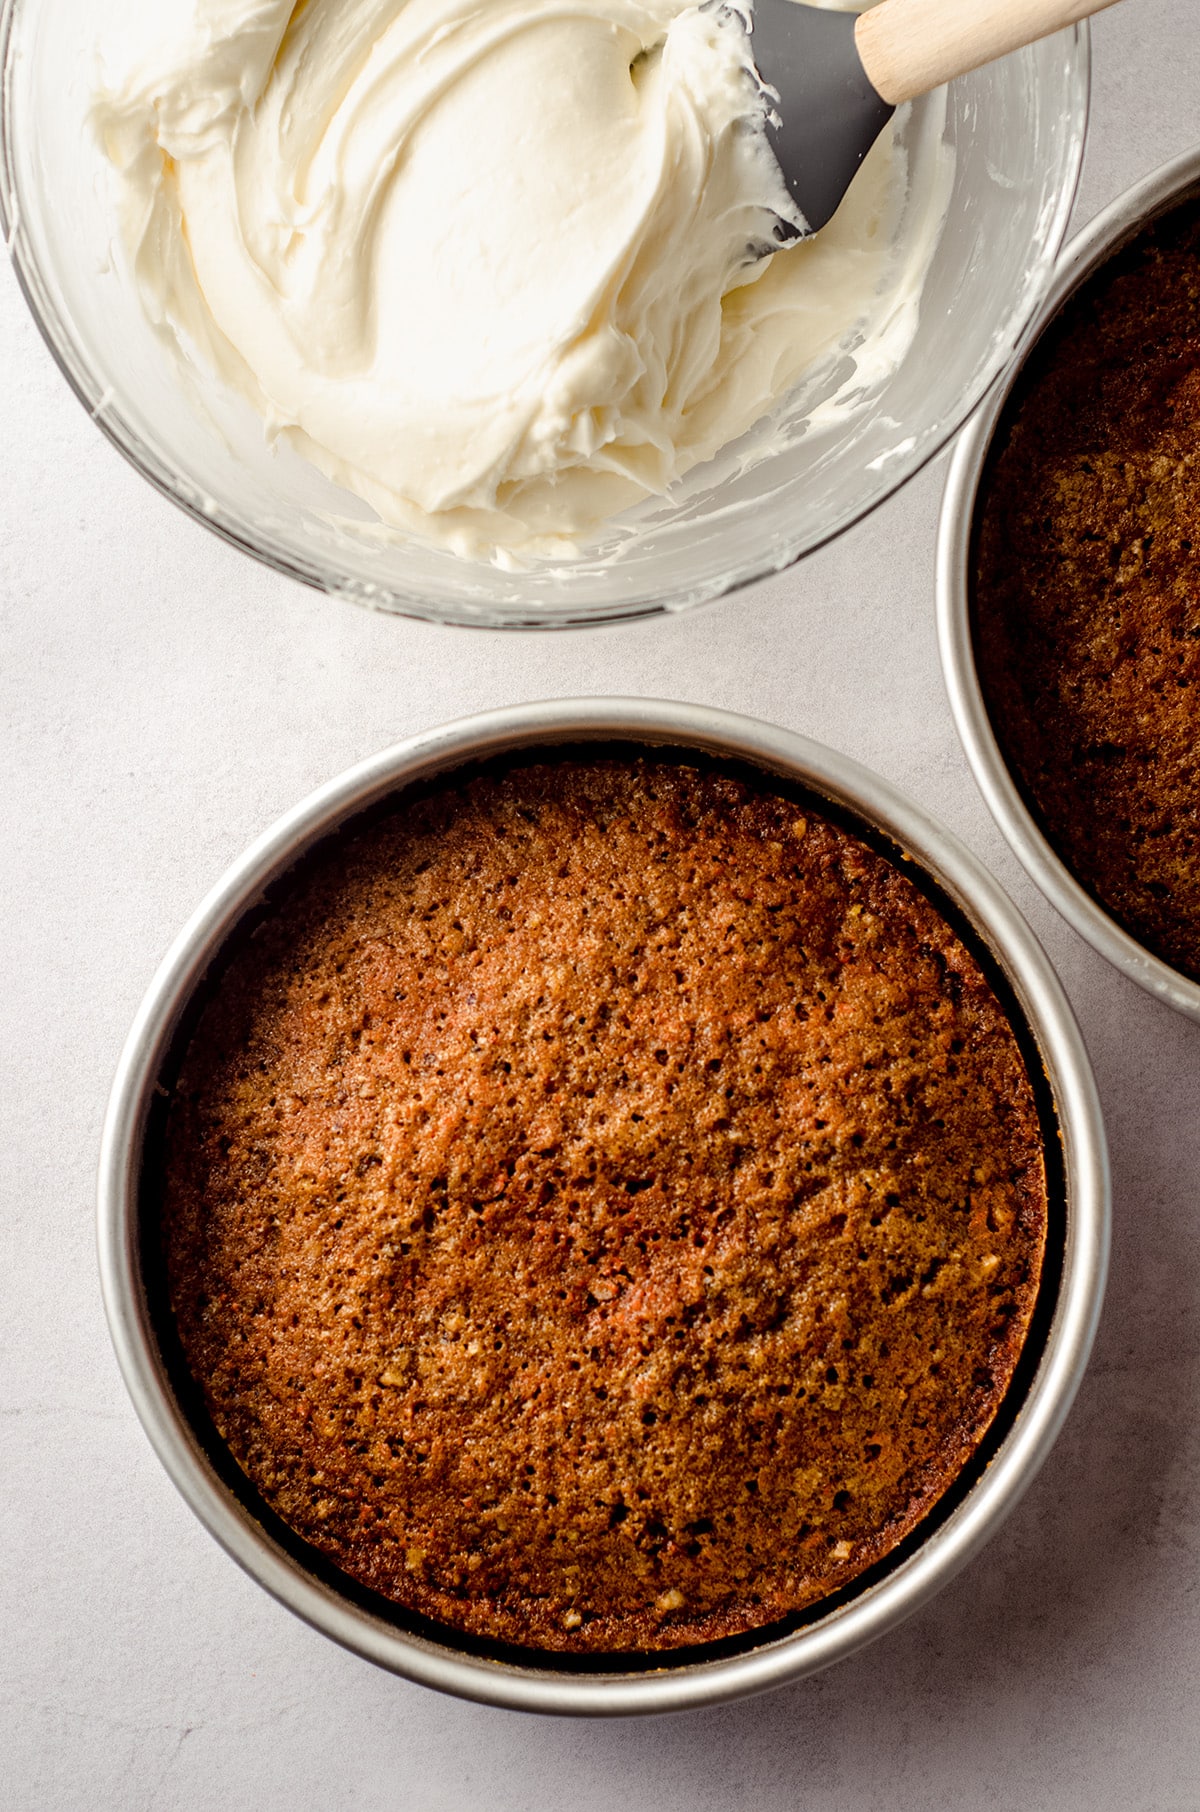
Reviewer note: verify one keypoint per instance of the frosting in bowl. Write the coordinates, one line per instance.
(495, 269)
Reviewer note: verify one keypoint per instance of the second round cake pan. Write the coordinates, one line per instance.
(1112, 229)
(1030, 1419)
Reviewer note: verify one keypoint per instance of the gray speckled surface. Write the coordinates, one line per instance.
(161, 700)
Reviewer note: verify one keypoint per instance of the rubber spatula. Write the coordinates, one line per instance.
(840, 76)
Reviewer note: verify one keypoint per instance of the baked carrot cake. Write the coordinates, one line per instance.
(1087, 587)
(604, 1204)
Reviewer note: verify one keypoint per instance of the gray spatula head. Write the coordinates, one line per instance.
(828, 113)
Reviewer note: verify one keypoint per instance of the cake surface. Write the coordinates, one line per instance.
(1087, 587)
(604, 1204)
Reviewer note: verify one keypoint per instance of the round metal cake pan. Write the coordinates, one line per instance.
(1112, 229)
(1030, 1419)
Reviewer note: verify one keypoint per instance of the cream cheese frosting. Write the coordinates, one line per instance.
(492, 265)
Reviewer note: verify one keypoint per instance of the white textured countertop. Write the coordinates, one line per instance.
(161, 700)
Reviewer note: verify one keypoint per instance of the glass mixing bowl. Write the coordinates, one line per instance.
(1016, 131)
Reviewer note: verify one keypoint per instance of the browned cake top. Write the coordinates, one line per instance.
(605, 1204)
(1087, 588)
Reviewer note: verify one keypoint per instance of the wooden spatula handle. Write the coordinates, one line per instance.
(910, 46)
